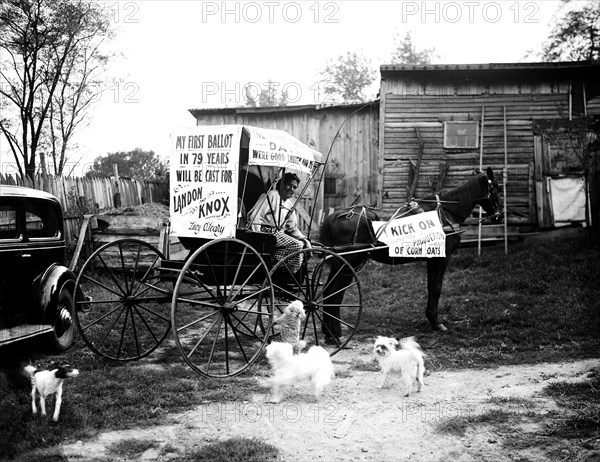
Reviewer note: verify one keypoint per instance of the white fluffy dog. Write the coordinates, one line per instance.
(49, 382)
(289, 323)
(407, 361)
(314, 366)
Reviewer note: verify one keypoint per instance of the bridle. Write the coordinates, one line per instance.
(494, 202)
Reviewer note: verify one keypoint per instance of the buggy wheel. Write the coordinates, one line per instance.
(328, 287)
(120, 310)
(222, 308)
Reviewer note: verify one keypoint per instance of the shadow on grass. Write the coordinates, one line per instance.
(238, 449)
(106, 395)
(539, 303)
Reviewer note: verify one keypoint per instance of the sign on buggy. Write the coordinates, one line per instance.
(204, 181)
(419, 235)
(276, 148)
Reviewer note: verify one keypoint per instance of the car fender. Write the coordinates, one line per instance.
(48, 287)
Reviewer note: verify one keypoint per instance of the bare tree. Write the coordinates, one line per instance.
(48, 49)
(79, 88)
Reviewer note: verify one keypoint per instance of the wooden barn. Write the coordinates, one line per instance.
(442, 121)
(435, 124)
(348, 134)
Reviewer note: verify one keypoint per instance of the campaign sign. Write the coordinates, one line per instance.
(204, 181)
(276, 148)
(413, 236)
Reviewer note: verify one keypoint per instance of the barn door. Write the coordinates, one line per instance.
(560, 196)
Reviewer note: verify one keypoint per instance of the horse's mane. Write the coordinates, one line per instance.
(465, 192)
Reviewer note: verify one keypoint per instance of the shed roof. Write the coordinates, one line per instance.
(537, 66)
(273, 109)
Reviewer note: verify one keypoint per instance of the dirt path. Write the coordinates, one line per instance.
(356, 421)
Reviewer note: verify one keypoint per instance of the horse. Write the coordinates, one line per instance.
(353, 228)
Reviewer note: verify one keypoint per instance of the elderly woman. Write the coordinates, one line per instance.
(274, 213)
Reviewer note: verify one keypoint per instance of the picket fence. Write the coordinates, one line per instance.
(79, 195)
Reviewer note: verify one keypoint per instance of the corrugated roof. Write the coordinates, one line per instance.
(304, 107)
(489, 66)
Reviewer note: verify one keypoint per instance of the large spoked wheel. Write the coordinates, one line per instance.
(222, 308)
(328, 287)
(121, 309)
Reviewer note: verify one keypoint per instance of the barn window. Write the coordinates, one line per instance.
(461, 135)
(329, 186)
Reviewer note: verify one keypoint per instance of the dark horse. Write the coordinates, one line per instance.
(352, 228)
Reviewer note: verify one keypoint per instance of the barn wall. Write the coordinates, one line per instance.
(425, 104)
(352, 164)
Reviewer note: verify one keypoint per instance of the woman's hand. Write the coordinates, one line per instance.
(306, 243)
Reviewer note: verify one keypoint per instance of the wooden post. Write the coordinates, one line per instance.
(416, 169)
(481, 169)
(117, 195)
(83, 233)
(44, 169)
(504, 181)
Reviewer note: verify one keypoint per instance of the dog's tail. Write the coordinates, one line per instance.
(410, 344)
(321, 356)
(29, 371)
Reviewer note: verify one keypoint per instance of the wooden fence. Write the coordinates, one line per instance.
(79, 196)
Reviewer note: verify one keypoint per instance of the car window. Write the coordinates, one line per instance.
(8, 222)
(40, 222)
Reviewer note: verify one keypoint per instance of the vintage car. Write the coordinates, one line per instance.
(36, 288)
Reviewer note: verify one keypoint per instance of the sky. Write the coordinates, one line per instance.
(179, 55)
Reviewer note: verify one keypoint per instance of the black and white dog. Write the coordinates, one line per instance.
(47, 382)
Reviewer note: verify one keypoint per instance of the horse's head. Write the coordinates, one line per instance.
(491, 203)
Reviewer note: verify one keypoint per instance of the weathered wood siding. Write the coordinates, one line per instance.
(352, 162)
(425, 104)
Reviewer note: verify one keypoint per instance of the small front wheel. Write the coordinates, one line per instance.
(329, 288)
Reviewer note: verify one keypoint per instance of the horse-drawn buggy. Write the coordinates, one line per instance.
(220, 299)
(224, 294)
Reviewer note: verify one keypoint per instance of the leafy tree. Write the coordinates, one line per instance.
(347, 78)
(49, 50)
(138, 164)
(406, 52)
(576, 35)
(267, 97)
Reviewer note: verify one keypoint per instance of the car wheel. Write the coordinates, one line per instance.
(62, 336)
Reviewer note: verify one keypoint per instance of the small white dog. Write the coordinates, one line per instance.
(289, 323)
(48, 382)
(314, 366)
(407, 361)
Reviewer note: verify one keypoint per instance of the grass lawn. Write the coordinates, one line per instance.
(540, 303)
